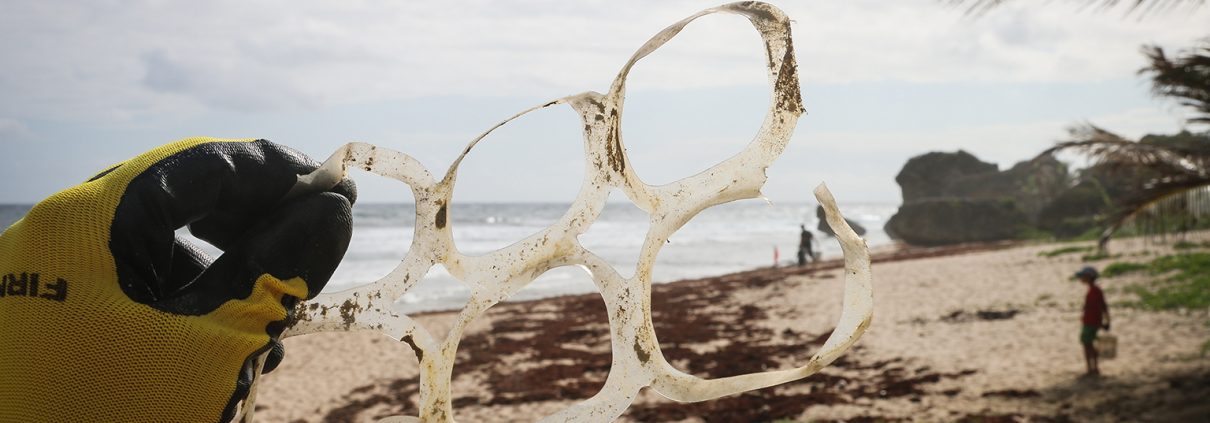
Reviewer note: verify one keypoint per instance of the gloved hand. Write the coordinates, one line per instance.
(105, 315)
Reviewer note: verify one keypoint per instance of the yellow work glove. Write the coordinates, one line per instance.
(107, 316)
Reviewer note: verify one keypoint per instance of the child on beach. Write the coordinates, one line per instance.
(1096, 316)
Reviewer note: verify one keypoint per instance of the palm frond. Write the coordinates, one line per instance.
(1130, 206)
(1110, 149)
(1170, 170)
(1185, 77)
(1187, 201)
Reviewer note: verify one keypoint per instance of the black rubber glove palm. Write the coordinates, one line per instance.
(108, 316)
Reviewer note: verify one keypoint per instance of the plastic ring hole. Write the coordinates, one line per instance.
(384, 219)
(517, 181)
(554, 350)
(697, 101)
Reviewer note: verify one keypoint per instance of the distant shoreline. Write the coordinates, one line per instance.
(892, 253)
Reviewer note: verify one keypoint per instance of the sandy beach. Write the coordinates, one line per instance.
(982, 333)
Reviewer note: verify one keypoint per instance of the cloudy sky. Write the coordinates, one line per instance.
(87, 84)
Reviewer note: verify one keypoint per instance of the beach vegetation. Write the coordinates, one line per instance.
(1030, 233)
(1187, 245)
(1092, 233)
(1187, 263)
(1185, 285)
(1098, 256)
(1174, 296)
(1066, 250)
(1157, 184)
(1122, 268)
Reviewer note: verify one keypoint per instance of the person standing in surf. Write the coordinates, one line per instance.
(804, 245)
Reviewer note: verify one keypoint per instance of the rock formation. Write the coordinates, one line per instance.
(827, 230)
(944, 221)
(954, 197)
(930, 175)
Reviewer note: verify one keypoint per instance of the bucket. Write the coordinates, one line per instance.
(1107, 346)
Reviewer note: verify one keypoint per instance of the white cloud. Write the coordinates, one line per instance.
(864, 163)
(1005, 144)
(239, 88)
(100, 61)
(304, 71)
(11, 129)
(1021, 41)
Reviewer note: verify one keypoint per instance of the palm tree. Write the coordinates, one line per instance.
(1185, 78)
(1171, 167)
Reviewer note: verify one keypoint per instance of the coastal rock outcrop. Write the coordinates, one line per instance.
(827, 230)
(952, 198)
(945, 221)
(1076, 211)
(929, 175)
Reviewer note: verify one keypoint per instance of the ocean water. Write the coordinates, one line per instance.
(723, 239)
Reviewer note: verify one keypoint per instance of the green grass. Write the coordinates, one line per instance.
(1191, 263)
(1175, 296)
(1099, 256)
(1187, 286)
(1092, 234)
(1186, 245)
(1122, 268)
(1034, 234)
(1065, 250)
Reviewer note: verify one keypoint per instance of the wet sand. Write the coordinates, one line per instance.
(982, 333)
